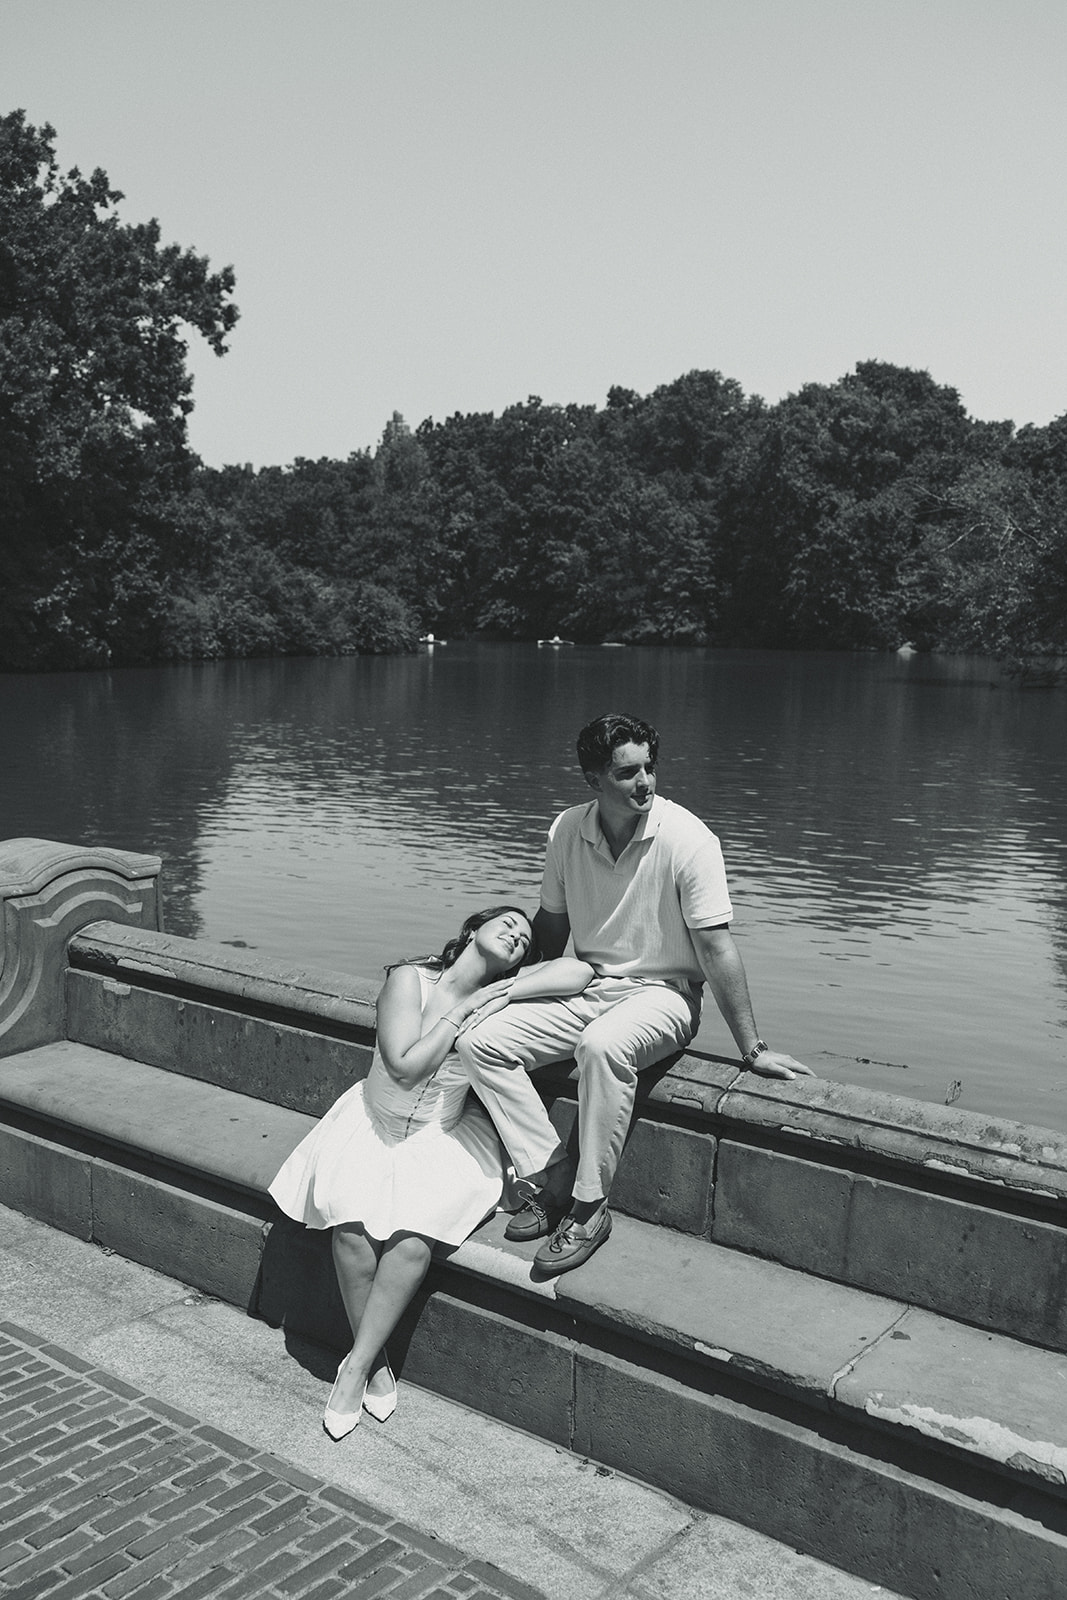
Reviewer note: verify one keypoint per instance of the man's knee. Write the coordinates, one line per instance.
(463, 1050)
(608, 1045)
(477, 1047)
(485, 1047)
(603, 1051)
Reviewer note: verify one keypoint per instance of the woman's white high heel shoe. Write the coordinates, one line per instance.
(339, 1424)
(382, 1406)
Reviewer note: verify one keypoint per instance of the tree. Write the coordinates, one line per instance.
(94, 397)
(686, 427)
(1002, 552)
(832, 497)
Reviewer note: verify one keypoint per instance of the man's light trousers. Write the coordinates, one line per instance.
(614, 1029)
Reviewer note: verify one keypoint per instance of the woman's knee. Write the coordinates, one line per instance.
(352, 1247)
(410, 1249)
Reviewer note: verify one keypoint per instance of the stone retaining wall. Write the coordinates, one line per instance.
(809, 1394)
(963, 1214)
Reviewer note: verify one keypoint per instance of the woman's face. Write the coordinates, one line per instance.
(504, 940)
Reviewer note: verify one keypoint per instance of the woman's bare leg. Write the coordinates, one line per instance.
(355, 1261)
(375, 1302)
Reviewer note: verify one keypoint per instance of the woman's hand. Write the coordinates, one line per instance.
(491, 997)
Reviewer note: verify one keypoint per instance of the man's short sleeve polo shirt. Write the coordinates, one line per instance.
(631, 917)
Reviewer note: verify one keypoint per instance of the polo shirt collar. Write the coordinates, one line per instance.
(647, 828)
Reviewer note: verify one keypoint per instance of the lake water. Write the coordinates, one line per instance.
(895, 830)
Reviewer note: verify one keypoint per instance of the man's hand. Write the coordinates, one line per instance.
(776, 1064)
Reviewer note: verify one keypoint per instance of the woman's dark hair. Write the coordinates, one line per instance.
(455, 947)
(599, 738)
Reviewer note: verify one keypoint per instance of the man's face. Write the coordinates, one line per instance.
(625, 789)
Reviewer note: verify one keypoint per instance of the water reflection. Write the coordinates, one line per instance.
(128, 759)
(895, 831)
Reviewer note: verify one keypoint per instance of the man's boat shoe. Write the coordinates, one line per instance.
(572, 1243)
(539, 1216)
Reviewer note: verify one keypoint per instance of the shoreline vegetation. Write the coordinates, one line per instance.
(867, 514)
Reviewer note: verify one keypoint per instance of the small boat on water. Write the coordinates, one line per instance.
(431, 639)
(555, 640)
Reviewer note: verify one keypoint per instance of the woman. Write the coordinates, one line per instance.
(403, 1159)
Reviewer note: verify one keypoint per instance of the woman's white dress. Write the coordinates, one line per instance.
(423, 1160)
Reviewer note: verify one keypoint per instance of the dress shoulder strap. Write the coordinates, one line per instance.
(426, 982)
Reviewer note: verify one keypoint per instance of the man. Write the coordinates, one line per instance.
(639, 884)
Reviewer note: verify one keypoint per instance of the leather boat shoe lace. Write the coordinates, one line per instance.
(572, 1243)
(535, 1219)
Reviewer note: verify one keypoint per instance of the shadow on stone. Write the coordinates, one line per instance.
(297, 1291)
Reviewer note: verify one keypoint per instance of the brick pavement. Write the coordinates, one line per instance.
(107, 1493)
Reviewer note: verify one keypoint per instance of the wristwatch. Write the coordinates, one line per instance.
(757, 1050)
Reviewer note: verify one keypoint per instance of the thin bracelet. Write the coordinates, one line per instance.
(448, 1017)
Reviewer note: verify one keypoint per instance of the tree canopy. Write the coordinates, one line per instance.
(94, 396)
(858, 514)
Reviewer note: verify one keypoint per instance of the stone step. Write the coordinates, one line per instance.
(860, 1427)
(960, 1214)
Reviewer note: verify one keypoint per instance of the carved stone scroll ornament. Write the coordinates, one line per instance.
(48, 891)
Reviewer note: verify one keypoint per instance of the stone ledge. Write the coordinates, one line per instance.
(47, 892)
(980, 1258)
(818, 1492)
(29, 865)
(138, 955)
(822, 1345)
(939, 1141)
(943, 1146)
(837, 1349)
(982, 1245)
(845, 1121)
(281, 1062)
(191, 1126)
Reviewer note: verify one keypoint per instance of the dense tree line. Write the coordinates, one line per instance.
(854, 515)
(94, 397)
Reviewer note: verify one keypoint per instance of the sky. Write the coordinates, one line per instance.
(440, 206)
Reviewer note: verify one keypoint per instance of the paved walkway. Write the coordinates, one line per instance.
(108, 1491)
(155, 1443)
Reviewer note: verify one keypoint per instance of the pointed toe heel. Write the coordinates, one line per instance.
(339, 1424)
(382, 1406)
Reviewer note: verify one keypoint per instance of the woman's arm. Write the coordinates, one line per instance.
(409, 1054)
(562, 977)
(548, 980)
